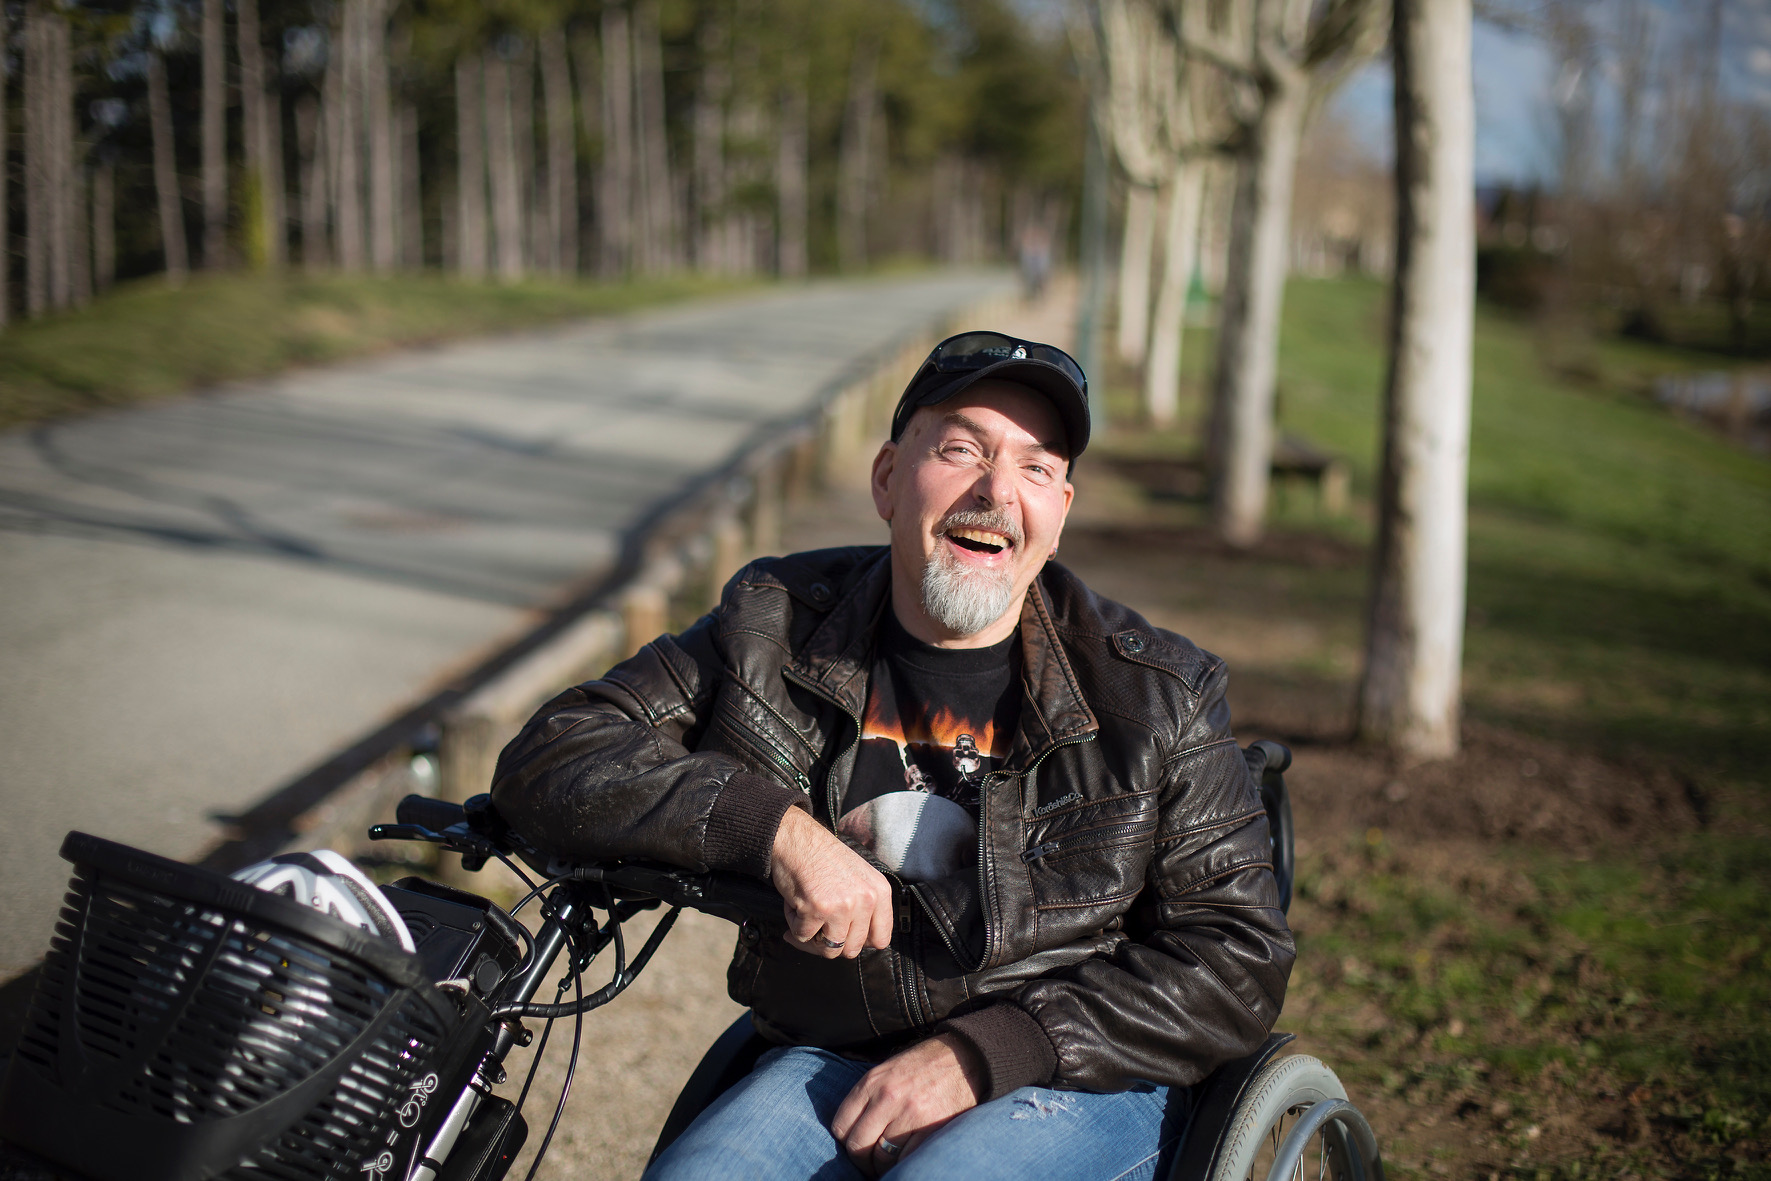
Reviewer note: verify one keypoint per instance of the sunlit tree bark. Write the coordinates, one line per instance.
(1136, 256)
(1409, 698)
(615, 176)
(470, 162)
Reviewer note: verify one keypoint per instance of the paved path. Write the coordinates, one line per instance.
(199, 600)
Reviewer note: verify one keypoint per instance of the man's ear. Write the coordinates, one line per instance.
(883, 464)
(1069, 498)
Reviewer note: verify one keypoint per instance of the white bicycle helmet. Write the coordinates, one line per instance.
(330, 884)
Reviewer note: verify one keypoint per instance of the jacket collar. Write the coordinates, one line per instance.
(836, 659)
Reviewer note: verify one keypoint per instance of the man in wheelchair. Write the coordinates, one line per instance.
(1027, 888)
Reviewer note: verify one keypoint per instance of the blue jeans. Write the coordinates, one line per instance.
(774, 1125)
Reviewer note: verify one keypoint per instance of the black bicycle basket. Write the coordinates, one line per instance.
(188, 1026)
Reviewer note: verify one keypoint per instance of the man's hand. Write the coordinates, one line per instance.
(906, 1099)
(829, 894)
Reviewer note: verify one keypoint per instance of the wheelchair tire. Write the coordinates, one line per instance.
(1276, 1099)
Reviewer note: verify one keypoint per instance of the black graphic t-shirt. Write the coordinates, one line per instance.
(938, 721)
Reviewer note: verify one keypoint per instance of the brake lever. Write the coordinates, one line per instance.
(474, 849)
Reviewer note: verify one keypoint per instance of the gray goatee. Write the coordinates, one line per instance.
(964, 599)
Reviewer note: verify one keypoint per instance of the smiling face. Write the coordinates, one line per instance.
(975, 494)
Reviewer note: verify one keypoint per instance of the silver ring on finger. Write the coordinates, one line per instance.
(832, 944)
(890, 1149)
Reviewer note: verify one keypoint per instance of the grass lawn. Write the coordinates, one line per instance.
(145, 340)
(1552, 957)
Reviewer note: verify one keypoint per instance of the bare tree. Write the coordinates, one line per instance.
(1290, 55)
(411, 185)
(215, 157)
(377, 90)
(311, 154)
(562, 154)
(104, 224)
(165, 170)
(344, 137)
(711, 95)
(791, 183)
(5, 182)
(1136, 254)
(51, 191)
(470, 160)
(615, 176)
(658, 242)
(264, 156)
(1409, 697)
(501, 163)
(857, 154)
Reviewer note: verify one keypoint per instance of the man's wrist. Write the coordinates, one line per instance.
(1011, 1048)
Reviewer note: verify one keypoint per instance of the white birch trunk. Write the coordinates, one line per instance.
(1248, 352)
(615, 176)
(470, 163)
(1410, 696)
(1162, 376)
(1137, 257)
(172, 240)
(562, 153)
(310, 151)
(791, 187)
(215, 159)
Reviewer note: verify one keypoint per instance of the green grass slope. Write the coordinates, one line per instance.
(146, 340)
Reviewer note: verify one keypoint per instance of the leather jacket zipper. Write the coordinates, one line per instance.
(800, 779)
(789, 674)
(1101, 834)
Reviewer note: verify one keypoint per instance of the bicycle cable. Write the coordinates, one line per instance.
(559, 1108)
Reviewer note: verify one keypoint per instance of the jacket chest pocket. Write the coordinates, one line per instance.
(1091, 855)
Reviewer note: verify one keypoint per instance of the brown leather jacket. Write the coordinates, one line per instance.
(1124, 923)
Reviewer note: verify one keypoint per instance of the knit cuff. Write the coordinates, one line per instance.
(1013, 1047)
(741, 826)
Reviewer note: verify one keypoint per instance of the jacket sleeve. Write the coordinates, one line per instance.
(1202, 978)
(608, 769)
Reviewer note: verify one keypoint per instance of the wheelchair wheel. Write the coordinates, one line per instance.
(1295, 1123)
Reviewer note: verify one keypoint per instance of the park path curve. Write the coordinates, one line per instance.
(200, 599)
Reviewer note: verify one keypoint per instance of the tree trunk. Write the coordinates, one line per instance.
(857, 154)
(1162, 376)
(1248, 333)
(165, 168)
(522, 127)
(657, 204)
(384, 234)
(615, 176)
(1137, 256)
(1410, 695)
(104, 225)
(791, 185)
(65, 213)
(37, 164)
(215, 144)
(711, 216)
(411, 190)
(470, 161)
(562, 153)
(344, 138)
(1214, 221)
(264, 234)
(5, 184)
(501, 161)
(311, 162)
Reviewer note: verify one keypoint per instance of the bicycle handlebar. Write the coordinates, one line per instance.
(475, 828)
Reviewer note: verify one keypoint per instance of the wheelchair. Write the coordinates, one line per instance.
(1268, 1116)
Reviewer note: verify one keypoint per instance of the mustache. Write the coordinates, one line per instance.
(993, 519)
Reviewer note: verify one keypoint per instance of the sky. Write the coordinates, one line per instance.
(1516, 81)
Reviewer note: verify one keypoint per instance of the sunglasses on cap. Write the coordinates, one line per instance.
(977, 350)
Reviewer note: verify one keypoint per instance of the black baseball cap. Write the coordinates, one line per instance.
(958, 362)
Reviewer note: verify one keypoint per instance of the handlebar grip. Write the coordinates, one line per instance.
(754, 900)
(426, 812)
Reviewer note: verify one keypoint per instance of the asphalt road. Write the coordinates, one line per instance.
(199, 600)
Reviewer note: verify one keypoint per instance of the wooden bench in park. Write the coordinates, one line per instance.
(1295, 461)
